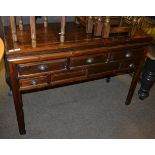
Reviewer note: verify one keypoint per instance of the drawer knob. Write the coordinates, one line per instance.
(42, 67)
(132, 65)
(34, 82)
(128, 55)
(90, 60)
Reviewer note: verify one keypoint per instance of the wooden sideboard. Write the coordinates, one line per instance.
(80, 57)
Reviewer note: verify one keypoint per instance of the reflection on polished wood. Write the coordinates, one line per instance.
(33, 30)
(13, 28)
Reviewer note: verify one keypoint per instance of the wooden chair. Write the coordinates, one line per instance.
(107, 26)
(85, 21)
(119, 27)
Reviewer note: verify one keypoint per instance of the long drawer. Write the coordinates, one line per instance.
(68, 76)
(77, 74)
(88, 59)
(100, 68)
(129, 65)
(55, 78)
(77, 68)
(126, 54)
(44, 66)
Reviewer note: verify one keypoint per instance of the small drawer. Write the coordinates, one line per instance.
(129, 65)
(33, 82)
(96, 69)
(68, 76)
(87, 60)
(44, 66)
(127, 54)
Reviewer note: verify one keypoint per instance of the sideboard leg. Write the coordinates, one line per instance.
(132, 87)
(17, 99)
(19, 111)
(135, 79)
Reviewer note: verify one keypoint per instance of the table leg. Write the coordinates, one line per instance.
(135, 79)
(17, 100)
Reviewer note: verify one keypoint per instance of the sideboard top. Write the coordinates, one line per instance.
(49, 39)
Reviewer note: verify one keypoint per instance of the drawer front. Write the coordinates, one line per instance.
(127, 54)
(103, 68)
(34, 82)
(87, 60)
(68, 76)
(45, 66)
(129, 65)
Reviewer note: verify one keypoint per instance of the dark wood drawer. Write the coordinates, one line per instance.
(44, 66)
(68, 76)
(129, 64)
(100, 68)
(34, 82)
(87, 60)
(127, 54)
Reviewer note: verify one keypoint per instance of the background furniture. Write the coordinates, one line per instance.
(147, 24)
(64, 53)
(1, 49)
(148, 76)
(107, 26)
